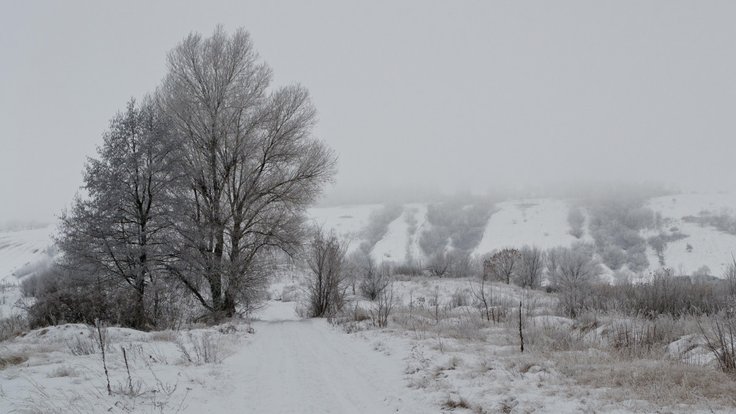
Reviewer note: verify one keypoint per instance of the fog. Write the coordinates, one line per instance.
(416, 98)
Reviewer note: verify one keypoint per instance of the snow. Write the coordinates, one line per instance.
(307, 366)
(535, 222)
(398, 244)
(710, 247)
(543, 223)
(22, 252)
(279, 364)
(347, 221)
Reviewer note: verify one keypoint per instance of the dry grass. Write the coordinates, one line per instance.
(12, 326)
(11, 360)
(660, 381)
(201, 349)
(164, 336)
(451, 403)
(63, 371)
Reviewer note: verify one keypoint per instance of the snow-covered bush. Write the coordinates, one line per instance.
(326, 282)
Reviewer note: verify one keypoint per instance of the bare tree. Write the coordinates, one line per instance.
(326, 285)
(483, 293)
(531, 267)
(252, 165)
(502, 265)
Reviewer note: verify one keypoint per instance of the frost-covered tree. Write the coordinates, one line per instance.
(251, 165)
(118, 233)
(531, 267)
(572, 270)
(326, 282)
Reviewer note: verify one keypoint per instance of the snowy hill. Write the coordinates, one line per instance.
(23, 252)
(539, 222)
(710, 246)
(544, 223)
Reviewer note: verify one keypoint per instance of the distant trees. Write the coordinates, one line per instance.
(457, 225)
(196, 187)
(615, 225)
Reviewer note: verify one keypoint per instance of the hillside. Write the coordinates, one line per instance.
(544, 223)
(23, 252)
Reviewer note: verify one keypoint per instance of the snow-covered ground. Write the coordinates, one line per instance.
(401, 241)
(710, 247)
(278, 364)
(309, 366)
(348, 222)
(535, 222)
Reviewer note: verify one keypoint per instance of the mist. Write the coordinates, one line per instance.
(416, 98)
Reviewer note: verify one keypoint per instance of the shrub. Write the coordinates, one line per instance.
(200, 349)
(720, 338)
(383, 307)
(326, 282)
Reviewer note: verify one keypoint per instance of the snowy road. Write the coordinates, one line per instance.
(306, 366)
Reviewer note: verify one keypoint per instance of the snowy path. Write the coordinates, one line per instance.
(306, 366)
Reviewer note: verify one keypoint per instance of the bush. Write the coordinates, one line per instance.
(200, 349)
(374, 279)
(63, 296)
(720, 338)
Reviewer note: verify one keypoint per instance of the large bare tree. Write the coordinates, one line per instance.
(251, 162)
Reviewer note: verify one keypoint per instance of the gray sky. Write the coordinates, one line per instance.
(453, 96)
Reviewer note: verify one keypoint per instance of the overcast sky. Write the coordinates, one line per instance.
(451, 96)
